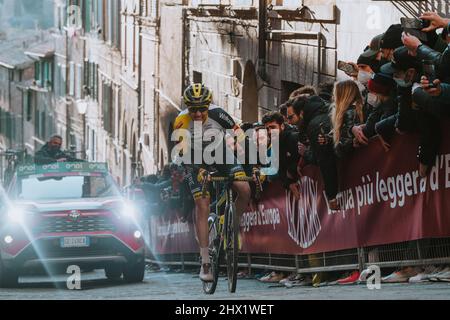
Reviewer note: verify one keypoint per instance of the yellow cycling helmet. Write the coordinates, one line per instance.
(197, 95)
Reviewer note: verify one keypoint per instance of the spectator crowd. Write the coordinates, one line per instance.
(399, 84)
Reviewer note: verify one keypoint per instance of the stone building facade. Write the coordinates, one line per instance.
(120, 66)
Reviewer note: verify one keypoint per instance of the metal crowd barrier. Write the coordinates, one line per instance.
(397, 255)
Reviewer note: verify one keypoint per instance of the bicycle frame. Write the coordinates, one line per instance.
(224, 229)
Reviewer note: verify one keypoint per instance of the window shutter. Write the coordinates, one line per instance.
(79, 81)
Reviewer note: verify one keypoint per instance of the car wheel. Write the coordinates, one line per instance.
(135, 272)
(8, 278)
(113, 272)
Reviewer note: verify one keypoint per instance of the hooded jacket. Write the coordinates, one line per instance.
(316, 118)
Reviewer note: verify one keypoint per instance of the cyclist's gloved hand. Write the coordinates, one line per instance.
(201, 175)
(257, 171)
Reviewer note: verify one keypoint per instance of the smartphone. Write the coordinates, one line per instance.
(347, 68)
(429, 71)
(422, 36)
(412, 23)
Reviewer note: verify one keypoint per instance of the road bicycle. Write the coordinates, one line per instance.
(224, 228)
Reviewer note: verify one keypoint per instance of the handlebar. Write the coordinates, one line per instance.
(207, 177)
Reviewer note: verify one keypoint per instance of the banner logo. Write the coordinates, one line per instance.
(303, 215)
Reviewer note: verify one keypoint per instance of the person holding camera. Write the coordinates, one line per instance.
(381, 99)
(434, 94)
(438, 90)
(406, 71)
(51, 152)
(313, 113)
(289, 151)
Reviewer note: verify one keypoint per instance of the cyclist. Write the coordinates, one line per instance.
(200, 112)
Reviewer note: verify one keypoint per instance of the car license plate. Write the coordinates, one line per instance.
(74, 242)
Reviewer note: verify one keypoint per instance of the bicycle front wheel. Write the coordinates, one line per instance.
(215, 245)
(232, 246)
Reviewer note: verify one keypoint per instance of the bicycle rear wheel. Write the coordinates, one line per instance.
(215, 245)
(232, 246)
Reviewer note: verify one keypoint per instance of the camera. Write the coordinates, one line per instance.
(413, 23)
(346, 67)
(429, 71)
(414, 27)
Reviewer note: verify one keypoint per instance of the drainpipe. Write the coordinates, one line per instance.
(156, 106)
(262, 26)
(139, 93)
(68, 124)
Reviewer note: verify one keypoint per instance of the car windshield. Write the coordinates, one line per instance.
(58, 187)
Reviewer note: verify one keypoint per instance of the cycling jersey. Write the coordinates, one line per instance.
(217, 122)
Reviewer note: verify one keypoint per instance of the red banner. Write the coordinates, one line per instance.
(384, 200)
(170, 234)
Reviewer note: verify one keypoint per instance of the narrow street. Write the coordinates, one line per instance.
(305, 138)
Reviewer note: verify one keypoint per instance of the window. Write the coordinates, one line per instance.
(58, 79)
(87, 12)
(94, 19)
(116, 17)
(114, 116)
(44, 74)
(72, 78)
(59, 186)
(95, 70)
(28, 101)
(107, 107)
(90, 78)
(63, 86)
(79, 81)
(92, 145)
(8, 119)
(42, 125)
(153, 8)
(37, 73)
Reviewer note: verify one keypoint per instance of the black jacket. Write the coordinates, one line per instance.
(441, 60)
(318, 122)
(345, 144)
(316, 119)
(382, 111)
(289, 156)
(46, 156)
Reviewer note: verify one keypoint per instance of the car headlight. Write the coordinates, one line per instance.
(16, 215)
(128, 210)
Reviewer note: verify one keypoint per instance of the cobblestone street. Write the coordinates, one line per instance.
(186, 286)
